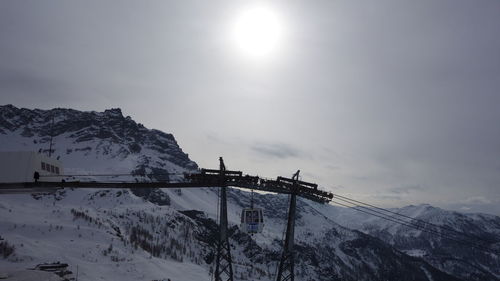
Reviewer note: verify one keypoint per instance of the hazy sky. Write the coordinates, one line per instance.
(391, 102)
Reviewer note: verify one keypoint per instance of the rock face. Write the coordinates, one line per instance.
(160, 234)
(94, 141)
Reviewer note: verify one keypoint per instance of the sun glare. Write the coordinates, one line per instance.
(257, 31)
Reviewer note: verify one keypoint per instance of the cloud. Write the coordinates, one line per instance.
(216, 138)
(427, 110)
(332, 167)
(386, 196)
(475, 204)
(407, 189)
(477, 200)
(400, 192)
(32, 85)
(277, 150)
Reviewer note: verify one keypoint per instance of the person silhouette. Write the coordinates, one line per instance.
(36, 176)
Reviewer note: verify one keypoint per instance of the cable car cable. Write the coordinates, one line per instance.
(463, 242)
(419, 227)
(416, 219)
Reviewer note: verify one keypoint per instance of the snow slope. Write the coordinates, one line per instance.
(44, 230)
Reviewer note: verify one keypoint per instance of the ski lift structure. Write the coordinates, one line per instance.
(252, 219)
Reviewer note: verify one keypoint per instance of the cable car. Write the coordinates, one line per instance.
(252, 219)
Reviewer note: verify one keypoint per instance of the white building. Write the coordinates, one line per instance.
(20, 166)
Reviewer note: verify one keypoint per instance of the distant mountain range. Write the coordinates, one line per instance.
(161, 234)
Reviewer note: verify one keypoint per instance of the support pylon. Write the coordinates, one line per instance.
(223, 266)
(287, 262)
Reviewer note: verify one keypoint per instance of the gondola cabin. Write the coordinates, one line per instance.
(20, 166)
(252, 220)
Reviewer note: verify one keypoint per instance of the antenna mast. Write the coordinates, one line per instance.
(51, 134)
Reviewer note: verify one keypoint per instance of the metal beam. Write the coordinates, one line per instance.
(77, 184)
(205, 178)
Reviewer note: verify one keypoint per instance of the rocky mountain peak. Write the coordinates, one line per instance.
(114, 111)
(107, 135)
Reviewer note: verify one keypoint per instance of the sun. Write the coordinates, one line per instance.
(257, 31)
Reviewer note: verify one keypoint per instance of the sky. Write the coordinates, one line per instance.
(389, 102)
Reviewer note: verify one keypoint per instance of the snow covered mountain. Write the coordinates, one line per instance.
(103, 142)
(171, 234)
(454, 254)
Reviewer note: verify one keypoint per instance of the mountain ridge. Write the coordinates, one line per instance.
(108, 136)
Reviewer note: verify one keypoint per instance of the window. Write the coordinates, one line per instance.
(57, 170)
(52, 170)
(43, 165)
(255, 216)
